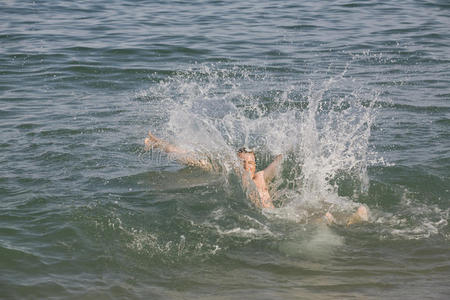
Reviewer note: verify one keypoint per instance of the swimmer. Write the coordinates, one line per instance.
(260, 179)
(261, 197)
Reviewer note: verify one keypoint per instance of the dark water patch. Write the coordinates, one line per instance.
(8, 113)
(18, 10)
(4, 88)
(12, 257)
(8, 217)
(382, 194)
(28, 126)
(35, 204)
(441, 4)
(430, 36)
(413, 108)
(440, 83)
(13, 37)
(171, 49)
(39, 289)
(12, 191)
(352, 289)
(32, 147)
(36, 57)
(402, 31)
(301, 27)
(445, 96)
(433, 256)
(416, 179)
(360, 4)
(285, 268)
(444, 121)
(7, 232)
(70, 238)
(274, 53)
(78, 50)
(55, 157)
(74, 132)
(89, 69)
(33, 181)
(444, 162)
(164, 49)
(103, 84)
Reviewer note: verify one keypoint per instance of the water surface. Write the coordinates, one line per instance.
(355, 94)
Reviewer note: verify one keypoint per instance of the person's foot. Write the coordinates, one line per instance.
(329, 218)
(361, 215)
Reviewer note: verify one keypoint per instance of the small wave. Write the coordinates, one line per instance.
(413, 108)
(413, 220)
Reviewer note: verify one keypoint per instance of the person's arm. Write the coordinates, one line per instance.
(181, 155)
(271, 171)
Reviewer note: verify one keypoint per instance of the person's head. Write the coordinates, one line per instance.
(247, 158)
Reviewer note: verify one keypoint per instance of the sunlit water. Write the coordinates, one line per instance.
(355, 95)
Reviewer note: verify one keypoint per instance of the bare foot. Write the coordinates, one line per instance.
(361, 215)
(329, 218)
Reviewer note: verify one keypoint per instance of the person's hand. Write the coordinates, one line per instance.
(150, 141)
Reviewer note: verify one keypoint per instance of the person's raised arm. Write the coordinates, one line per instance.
(271, 171)
(183, 156)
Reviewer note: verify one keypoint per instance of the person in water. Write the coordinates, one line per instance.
(259, 194)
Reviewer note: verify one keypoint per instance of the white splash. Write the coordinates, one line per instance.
(322, 128)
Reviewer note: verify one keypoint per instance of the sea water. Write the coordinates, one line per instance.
(353, 94)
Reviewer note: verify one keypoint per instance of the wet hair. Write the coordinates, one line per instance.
(245, 150)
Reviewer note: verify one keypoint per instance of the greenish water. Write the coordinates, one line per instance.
(355, 94)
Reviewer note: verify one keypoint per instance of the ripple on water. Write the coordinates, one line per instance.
(85, 213)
